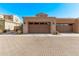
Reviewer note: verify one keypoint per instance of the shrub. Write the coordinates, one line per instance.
(55, 33)
(19, 31)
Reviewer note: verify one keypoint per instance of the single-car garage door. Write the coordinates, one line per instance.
(36, 27)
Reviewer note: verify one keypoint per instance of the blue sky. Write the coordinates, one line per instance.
(61, 10)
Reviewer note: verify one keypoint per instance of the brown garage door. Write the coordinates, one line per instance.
(39, 28)
(64, 28)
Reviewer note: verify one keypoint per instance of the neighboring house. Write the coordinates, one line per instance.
(8, 22)
(41, 23)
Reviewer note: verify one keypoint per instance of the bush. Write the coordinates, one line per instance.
(5, 31)
(19, 31)
(55, 33)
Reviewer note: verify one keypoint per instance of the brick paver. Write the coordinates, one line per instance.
(39, 45)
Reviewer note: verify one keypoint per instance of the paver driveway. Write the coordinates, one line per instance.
(41, 45)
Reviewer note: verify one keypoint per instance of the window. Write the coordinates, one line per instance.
(8, 17)
(41, 22)
(24, 23)
(70, 24)
(31, 23)
(36, 23)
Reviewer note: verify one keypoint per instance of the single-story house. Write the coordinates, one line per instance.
(42, 23)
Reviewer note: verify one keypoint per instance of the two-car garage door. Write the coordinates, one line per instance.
(39, 27)
(64, 28)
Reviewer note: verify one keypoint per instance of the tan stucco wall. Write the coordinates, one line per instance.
(76, 26)
(2, 23)
(25, 27)
(65, 20)
(9, 26)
